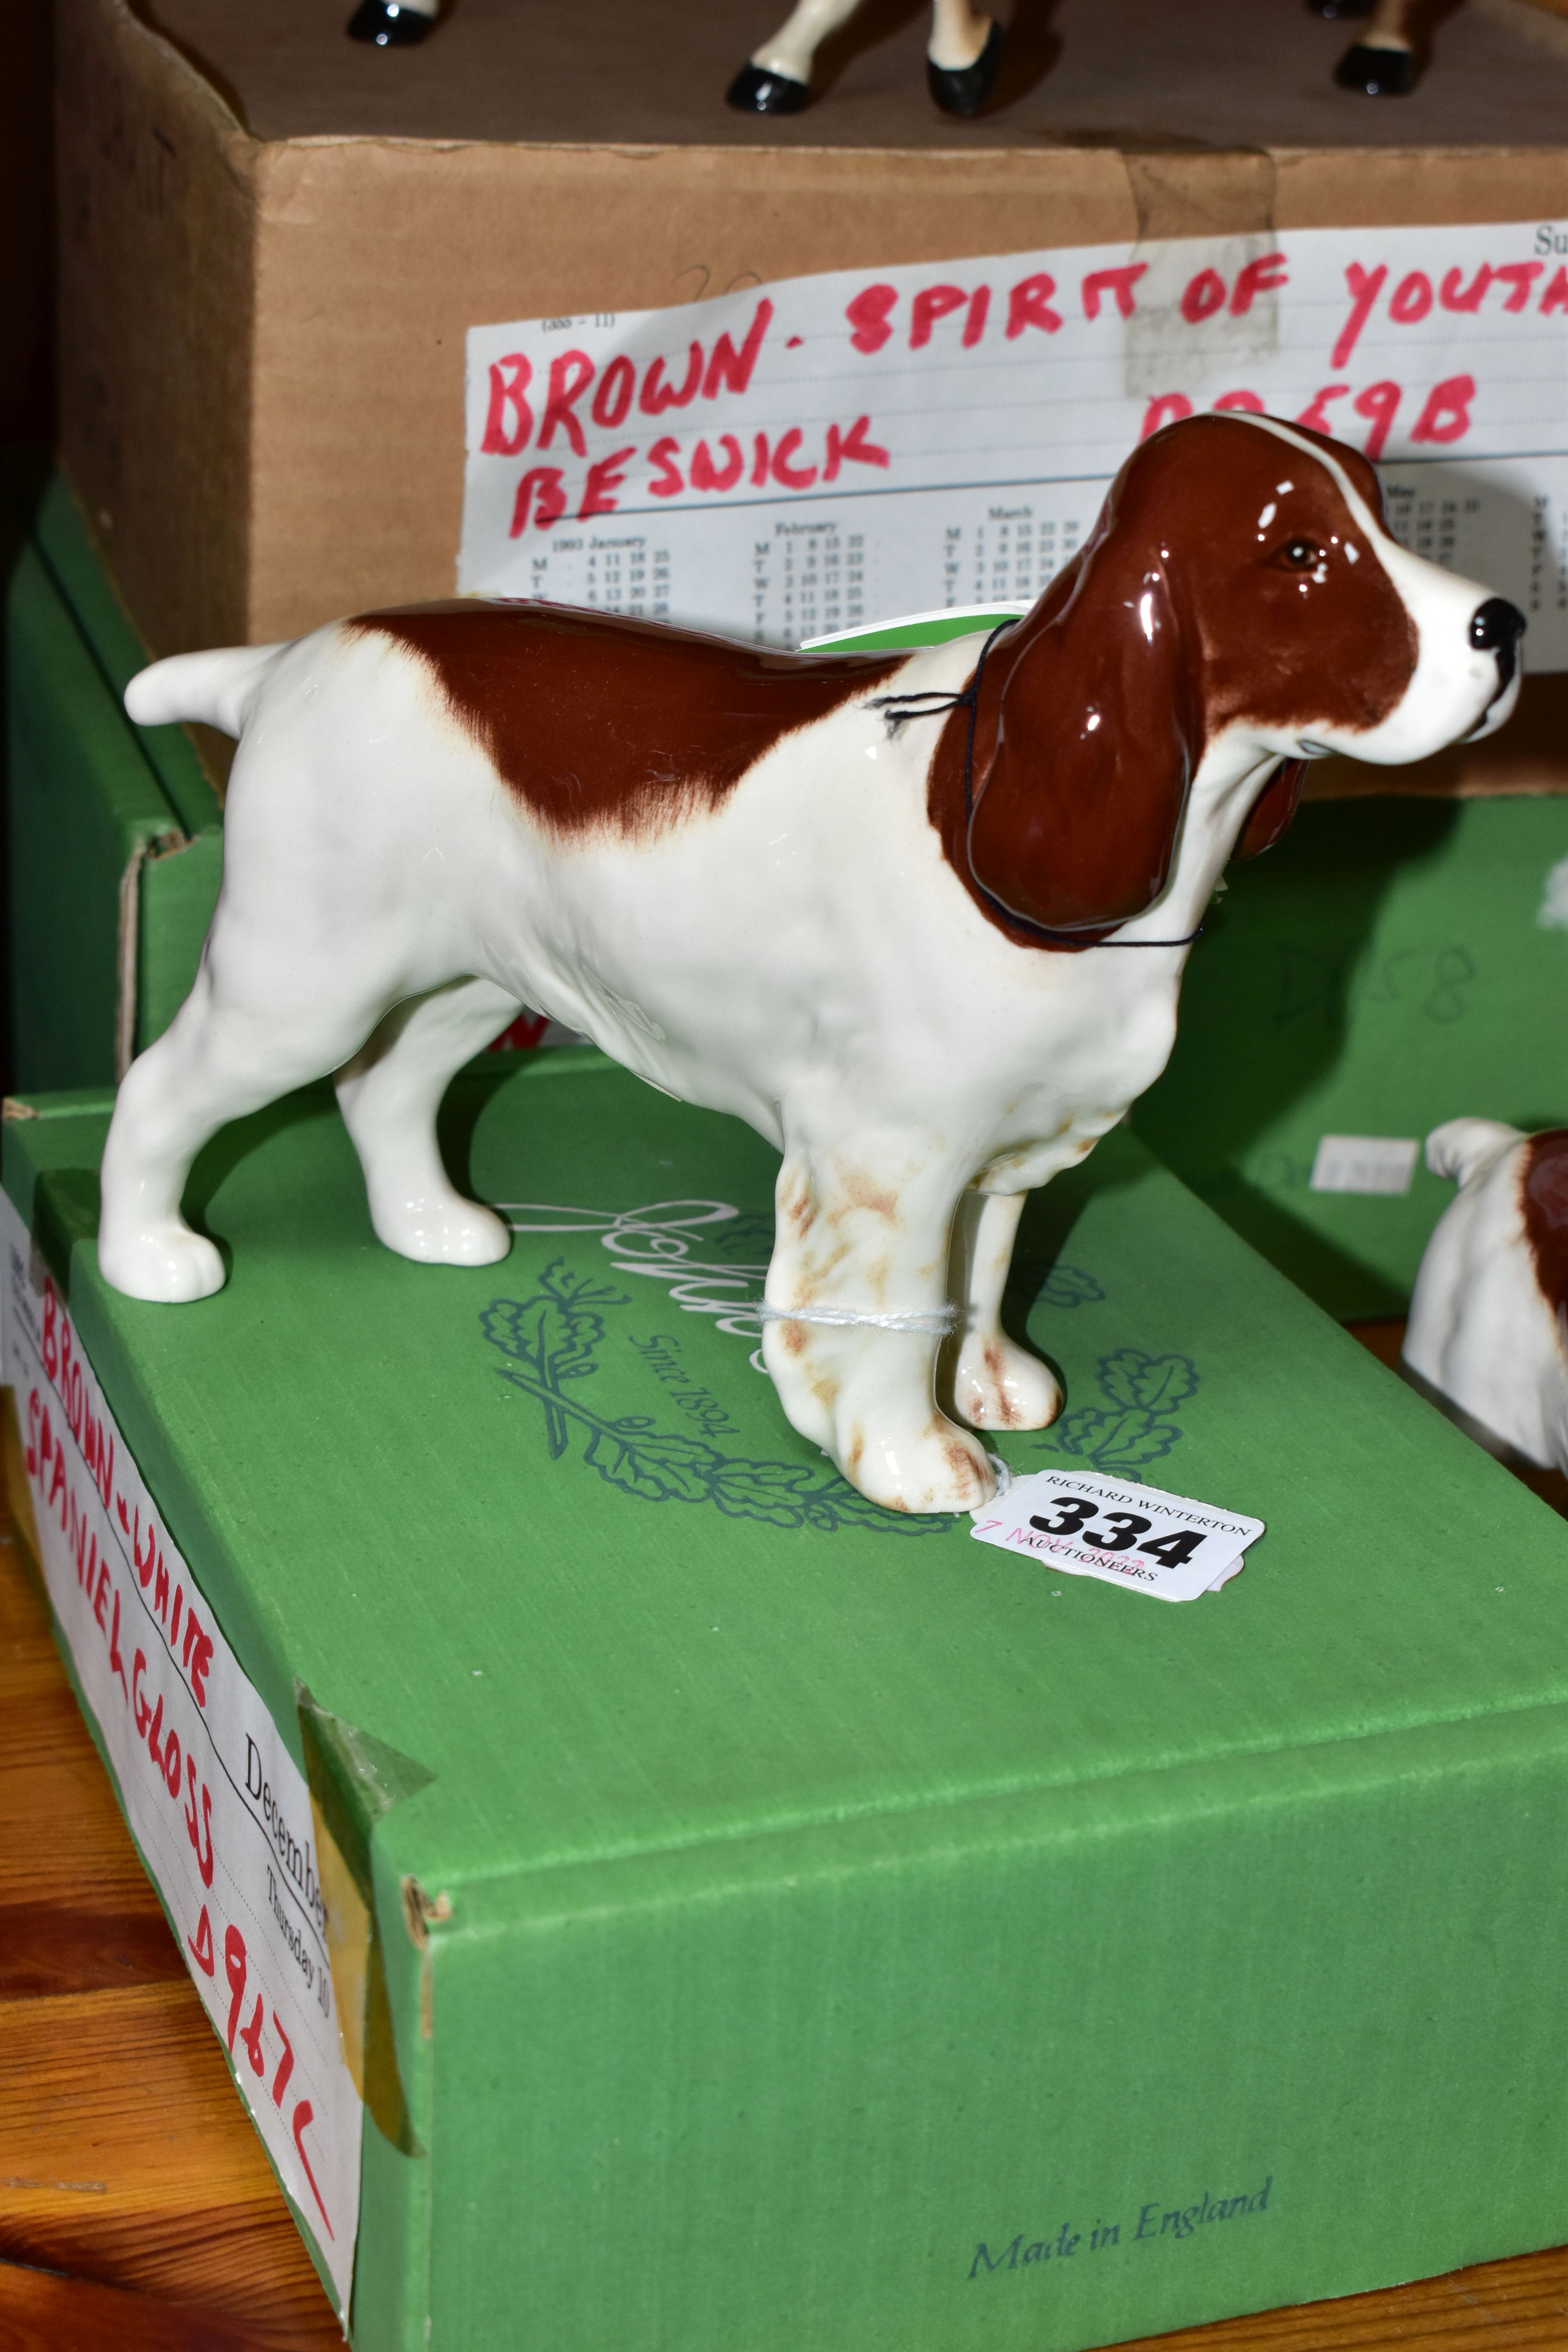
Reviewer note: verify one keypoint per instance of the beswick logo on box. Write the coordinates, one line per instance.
(1155, 2221)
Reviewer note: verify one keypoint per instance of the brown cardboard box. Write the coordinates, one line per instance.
(274, 240)
(27, 392)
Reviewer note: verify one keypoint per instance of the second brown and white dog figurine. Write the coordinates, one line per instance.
(1489, 1319)
(921, 919)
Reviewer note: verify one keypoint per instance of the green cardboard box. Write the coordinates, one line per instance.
(1391, 963)
(114, 836)
(758, 1920)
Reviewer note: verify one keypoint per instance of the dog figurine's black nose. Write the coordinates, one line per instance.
(1496, 627)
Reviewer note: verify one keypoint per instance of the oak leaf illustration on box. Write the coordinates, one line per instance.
(550, 1340)
(1136, 1424)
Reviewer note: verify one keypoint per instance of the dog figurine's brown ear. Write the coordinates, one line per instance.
(1075, 820)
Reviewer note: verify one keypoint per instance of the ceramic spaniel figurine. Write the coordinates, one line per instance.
(921, 919)
(1488, 1329)
(963, 57)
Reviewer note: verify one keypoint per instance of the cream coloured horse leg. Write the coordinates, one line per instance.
(959, 32)
(1381, 61)
(792, 50)
(1388, 27)
(962, 57)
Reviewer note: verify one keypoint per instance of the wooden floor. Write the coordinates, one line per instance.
(137, 2210)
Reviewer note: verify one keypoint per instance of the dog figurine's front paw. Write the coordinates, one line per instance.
(167, 1263)
(442, 1232)
(998, 1385)
(937, 1468)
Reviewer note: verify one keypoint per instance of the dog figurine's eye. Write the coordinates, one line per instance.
(1301, 554)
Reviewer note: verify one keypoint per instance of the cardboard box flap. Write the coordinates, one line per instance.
(61, 537)
(88, 812)
(353, 1781)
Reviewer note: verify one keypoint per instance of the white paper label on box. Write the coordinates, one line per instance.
(1082, 1524)
(1363, 1163)
(826, 451)
(217, 1805)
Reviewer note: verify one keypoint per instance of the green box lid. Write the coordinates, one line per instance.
(543, 1528)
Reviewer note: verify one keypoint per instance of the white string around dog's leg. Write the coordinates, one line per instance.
(936, 1322)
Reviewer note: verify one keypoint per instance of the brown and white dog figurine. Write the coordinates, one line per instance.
(919, 918)
(1489, 1320)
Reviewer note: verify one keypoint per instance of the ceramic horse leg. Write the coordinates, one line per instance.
(1382, 61)
(962, 56)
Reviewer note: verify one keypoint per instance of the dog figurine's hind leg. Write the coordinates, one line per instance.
(390, 1094)
(298, 980)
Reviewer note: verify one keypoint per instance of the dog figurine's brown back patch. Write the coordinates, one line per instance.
(592, 721)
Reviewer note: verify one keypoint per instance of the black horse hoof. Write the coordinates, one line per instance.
(388, 26)
(1334, 9)
(756, 90)
(964, 89)
(1377, 73)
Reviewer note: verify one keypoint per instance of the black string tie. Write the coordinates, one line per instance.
(898, 709)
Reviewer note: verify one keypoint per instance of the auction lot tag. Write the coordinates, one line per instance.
(1081, 1523)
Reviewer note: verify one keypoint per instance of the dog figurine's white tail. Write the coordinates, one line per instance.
(217, 688)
